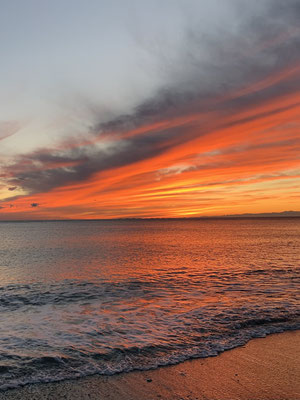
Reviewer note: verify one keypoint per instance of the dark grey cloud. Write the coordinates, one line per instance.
(262, 45)
(89, 160)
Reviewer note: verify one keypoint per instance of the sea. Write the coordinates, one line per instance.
(79, 298)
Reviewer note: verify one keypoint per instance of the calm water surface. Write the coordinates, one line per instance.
(78, 298)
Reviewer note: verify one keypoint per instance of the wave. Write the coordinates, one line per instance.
(68, 329)
(49, 368)
(15, 296)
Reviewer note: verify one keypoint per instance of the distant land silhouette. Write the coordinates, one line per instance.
(264, 215)
(283, 214)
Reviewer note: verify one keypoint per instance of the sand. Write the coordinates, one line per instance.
(267, 369)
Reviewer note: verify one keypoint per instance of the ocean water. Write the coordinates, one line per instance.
(79, 298)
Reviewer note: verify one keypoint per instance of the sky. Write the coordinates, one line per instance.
(131, 108)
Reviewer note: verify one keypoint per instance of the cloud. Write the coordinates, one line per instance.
(247, 68)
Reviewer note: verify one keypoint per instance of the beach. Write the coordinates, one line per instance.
(264, 369)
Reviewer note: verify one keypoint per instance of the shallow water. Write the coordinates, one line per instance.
(78, 298)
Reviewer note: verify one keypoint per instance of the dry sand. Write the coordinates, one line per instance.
(266, 369)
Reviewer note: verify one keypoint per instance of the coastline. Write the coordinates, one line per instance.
(263, 369)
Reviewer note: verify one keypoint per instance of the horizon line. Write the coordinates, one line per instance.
(282, 214)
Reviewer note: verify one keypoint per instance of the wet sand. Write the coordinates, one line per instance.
(263, 369)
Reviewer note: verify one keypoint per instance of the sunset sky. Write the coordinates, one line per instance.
(161, 108)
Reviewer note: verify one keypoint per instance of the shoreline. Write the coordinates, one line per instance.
(263, 369)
